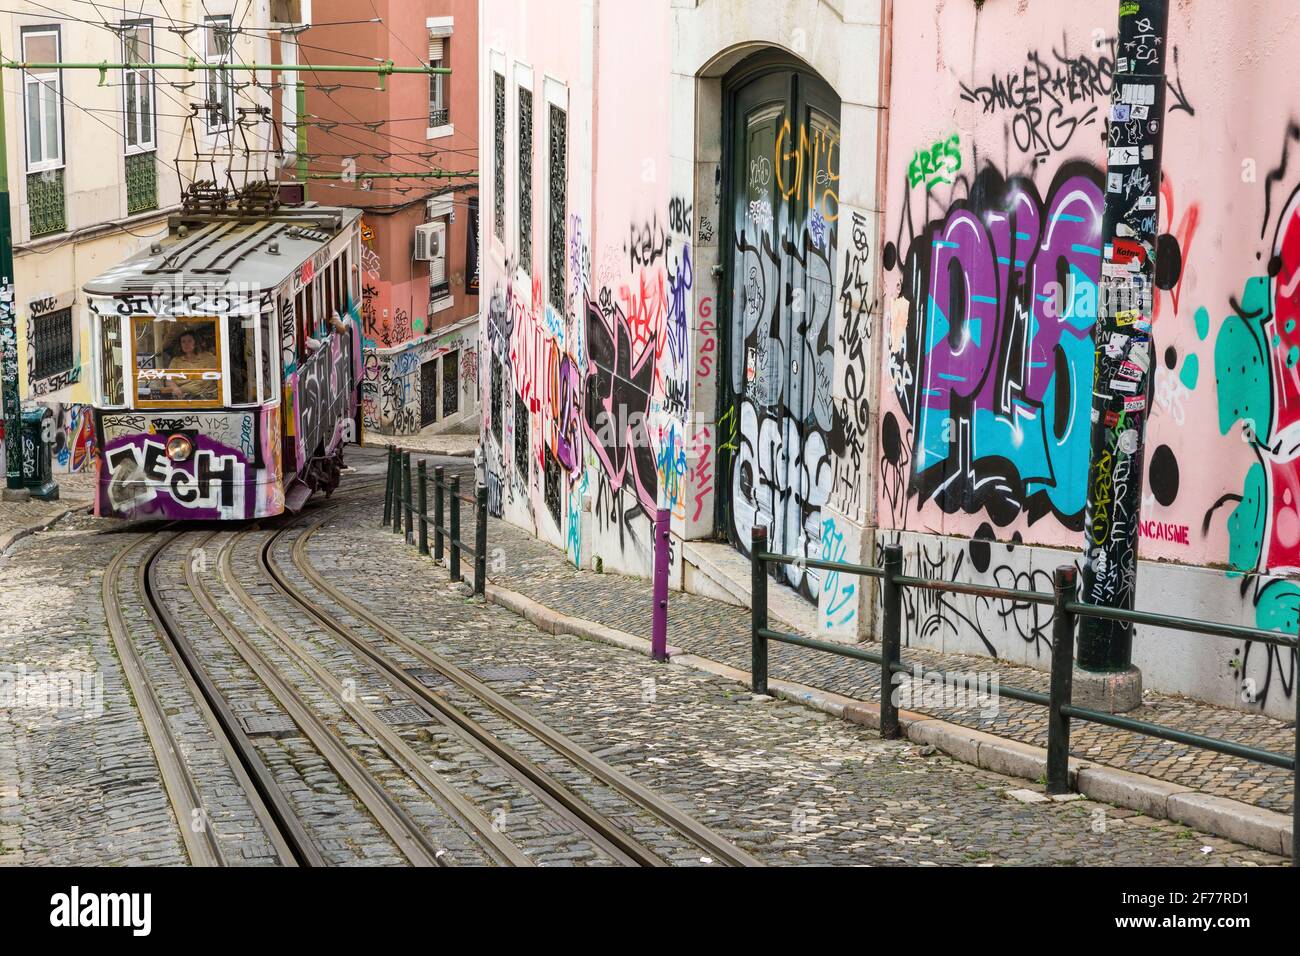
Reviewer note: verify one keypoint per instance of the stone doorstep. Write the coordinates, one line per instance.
(1220, 816)
(727, 570)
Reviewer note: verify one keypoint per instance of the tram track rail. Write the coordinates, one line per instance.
(625, 848)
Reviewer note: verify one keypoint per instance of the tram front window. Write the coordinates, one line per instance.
(176, 361)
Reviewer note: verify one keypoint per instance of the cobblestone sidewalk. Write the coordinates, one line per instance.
(790, 785)
(20, 518)
(720, 632)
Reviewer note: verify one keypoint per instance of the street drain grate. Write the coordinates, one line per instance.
(504, 675)
(404, 717)
(429, 678)
(261, 725)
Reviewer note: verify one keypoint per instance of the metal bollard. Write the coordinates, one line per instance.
(388, 489)
(424, 508)
(1058, 723)
(455, 528)
(408, 501)
(480, 541)
(891, 638)
(758, 604)
(397, 491)
(439, 513)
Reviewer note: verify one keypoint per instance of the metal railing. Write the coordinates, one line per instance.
(406, 506)
(1059, 702)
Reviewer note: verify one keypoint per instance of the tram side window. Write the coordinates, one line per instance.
(243, 360)
(306, 320)
(270, 348)
(177, 361)
(111, 361)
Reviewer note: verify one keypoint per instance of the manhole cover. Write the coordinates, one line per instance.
(404, 716)
(429, 678)
(260, 725)
(504, 674)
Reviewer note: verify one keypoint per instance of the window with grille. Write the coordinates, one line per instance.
(137, 87)
(220, 101)
(558, 205)
(439, 92)
(52, 344)
(526, 179)
(499, 157)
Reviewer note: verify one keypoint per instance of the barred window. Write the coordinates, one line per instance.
(558, 206)
(499, 158)
(52, 345)
(526, 179)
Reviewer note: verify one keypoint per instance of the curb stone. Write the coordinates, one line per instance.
(1219, 816)
(11, 538)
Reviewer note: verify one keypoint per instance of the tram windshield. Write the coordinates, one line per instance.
(177, 361)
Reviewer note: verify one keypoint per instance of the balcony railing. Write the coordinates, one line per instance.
(439, 117)
(46, 207)
(141, 182)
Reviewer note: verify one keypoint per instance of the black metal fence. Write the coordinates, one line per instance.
(406, 506)
(1059, 702)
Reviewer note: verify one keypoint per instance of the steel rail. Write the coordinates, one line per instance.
(447, 797)
(392, 818)
(287, 834)
(182, 789)
(704, 837)
(556, 795)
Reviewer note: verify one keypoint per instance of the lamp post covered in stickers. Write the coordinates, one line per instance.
(1124, 349)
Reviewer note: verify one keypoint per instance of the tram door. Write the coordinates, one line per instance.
(782, 176)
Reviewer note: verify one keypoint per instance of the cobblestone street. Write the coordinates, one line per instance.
(784, 783)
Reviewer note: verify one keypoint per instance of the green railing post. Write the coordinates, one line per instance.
(758, 604)
(454, 533)
(397, 491)
(424, 507)
(891, 639)
(439, 513)
(480, 541)
(1058, 723)
(408, 500)
(388, 489)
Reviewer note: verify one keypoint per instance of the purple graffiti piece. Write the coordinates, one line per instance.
(137, 481)
(617, 405)
(962, 332)
(1071, 242)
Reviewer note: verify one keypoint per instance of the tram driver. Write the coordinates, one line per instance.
(189, 357)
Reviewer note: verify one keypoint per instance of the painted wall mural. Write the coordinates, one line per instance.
(991, 267)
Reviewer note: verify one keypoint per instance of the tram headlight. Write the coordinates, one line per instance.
(179, 448)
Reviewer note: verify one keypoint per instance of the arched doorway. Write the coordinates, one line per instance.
(780, 209)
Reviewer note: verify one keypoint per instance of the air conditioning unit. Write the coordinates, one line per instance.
(430, 241)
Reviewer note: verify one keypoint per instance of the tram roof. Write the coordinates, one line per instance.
(244, 251)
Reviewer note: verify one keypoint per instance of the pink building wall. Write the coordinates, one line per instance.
(997, 170)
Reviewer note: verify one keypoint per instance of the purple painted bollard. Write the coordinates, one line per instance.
(663, 528)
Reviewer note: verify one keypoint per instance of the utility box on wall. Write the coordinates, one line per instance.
(37, 431)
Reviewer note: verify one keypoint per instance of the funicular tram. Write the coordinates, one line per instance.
(227, 363)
